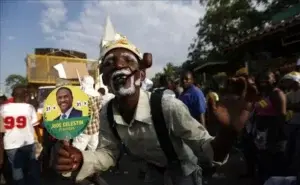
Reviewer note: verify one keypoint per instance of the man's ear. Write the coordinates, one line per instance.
(146, 62)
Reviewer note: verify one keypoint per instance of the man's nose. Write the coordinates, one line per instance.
(119, 62)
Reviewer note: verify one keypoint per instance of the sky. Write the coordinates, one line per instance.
(164, 28)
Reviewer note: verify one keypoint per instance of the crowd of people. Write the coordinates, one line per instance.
(179, 133)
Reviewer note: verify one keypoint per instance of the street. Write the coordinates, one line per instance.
(226, 175)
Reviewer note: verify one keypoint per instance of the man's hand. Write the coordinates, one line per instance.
(69, 158)
(235, 108)
(232, 112)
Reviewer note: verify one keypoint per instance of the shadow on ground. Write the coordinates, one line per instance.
(226, 175)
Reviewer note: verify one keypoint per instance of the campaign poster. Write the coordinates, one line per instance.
(66, 112)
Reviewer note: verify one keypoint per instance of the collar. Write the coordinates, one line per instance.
(68, 112)
(142, 112)
(190, 88)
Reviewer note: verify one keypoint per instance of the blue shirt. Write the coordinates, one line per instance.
(194, 99)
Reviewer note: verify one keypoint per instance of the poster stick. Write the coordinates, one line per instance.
(79, 78)
(67, 141)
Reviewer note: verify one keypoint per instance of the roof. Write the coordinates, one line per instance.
(267, 29)
(209, 64)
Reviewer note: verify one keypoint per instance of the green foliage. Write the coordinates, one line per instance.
(13, 80)
(224, 22)
(170, 70)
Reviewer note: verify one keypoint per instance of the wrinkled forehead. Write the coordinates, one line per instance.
(120, 52)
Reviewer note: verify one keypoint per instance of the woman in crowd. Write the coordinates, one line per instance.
(269, 136)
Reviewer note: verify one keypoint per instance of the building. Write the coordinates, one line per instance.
(273, 46)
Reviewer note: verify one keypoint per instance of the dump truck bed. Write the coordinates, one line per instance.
(40, 69)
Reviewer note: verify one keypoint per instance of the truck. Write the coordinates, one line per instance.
(42, 69)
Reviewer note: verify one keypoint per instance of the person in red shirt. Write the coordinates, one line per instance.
(9, 100)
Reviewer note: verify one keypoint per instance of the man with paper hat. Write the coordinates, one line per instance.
(134, 117)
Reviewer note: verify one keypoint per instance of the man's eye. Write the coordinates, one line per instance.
(107, 62)
(127, 58)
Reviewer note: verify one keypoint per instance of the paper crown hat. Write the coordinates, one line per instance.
(295, 76)
(119, 41)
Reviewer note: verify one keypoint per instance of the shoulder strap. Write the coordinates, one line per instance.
(111, 120)
(161, 127)
(158, 122)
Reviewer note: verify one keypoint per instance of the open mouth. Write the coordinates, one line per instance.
(120, 79)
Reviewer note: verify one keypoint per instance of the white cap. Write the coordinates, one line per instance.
(147, 84)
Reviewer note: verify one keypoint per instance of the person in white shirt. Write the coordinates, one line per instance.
(105, 96)
(89, 138)
(19, 119)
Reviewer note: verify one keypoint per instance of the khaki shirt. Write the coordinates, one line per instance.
(190, 139)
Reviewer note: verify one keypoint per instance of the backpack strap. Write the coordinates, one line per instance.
(161, 127)
(111, 121)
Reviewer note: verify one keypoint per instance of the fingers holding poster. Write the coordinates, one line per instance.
(66, 112)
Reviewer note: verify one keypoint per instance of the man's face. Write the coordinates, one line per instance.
(121, 73)
(187, 80)
(64, 100)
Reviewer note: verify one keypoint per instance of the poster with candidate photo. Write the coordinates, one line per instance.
(66, 112)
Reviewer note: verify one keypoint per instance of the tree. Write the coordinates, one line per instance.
(169, 70)
(276, 6)
(155, 79)
(13, 80)
(224, 21)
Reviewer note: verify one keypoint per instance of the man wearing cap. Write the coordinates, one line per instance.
(19, 120)
(292, 81)
(122, 67)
